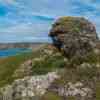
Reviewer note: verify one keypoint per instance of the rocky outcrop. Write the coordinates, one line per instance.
(75, 35)
(79, 83)
(28, 88)
(75, 90)
(77, 77)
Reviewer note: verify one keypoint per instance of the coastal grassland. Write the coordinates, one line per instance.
(47, 59)
(43, 60)
(10, 64)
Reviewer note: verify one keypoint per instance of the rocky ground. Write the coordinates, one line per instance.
(73, 81)
(29, 87)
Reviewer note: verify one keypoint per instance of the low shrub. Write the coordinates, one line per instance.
(47, 63)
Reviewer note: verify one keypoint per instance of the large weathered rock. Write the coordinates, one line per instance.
(75, 35)
(28, 88)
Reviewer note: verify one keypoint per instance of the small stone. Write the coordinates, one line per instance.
(78, 84)
(29, 86)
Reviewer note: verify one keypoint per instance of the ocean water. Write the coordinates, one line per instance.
(13, 51)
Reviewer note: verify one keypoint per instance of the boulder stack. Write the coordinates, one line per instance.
(75, 35)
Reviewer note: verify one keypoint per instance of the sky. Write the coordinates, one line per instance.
(31, 20)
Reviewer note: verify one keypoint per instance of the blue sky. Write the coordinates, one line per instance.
(31, 20)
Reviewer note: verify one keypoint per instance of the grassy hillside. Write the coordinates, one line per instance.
(43, 61)
(10, 64)
(47, 59)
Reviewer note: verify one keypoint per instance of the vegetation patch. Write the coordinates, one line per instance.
(9, 65)
(51, 96)
(44, 60)
(71, 98)
(98, 91)
(47, 63)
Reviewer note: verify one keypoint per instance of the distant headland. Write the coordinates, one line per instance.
(20, 45)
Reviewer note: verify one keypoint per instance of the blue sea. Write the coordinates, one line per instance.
(13, 52)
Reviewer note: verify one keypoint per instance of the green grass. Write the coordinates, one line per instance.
(51, 96)
(72, 25)
(71, 98)
(47, 63)
(98, 91)
(9, 65)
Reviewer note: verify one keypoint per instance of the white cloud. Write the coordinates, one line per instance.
(25, 32)
(29, 28)
(29, 18)
(7, 1)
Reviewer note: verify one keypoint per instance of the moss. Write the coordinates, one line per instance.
(71, 98)
(66, 18)
(87, 73)
(67, 75)
(51, 96)
(71, 23)
(91, 58)
(60, 81)
(47, 63)
(98, 91)
(9, 65)
(76, 29)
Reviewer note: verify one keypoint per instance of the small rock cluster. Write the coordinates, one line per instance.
(77, 90)
(28, 88)
(71, 89)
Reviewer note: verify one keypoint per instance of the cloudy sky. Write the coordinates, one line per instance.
(30, 20)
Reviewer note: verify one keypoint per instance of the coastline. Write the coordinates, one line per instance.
(21, 45)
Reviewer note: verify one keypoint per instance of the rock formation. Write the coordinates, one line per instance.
(48, 75)
(75, 35)
(28, 88)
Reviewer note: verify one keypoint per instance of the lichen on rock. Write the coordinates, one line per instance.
(75, 35)
(29, 87)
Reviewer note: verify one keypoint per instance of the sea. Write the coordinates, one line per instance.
(13, 52)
